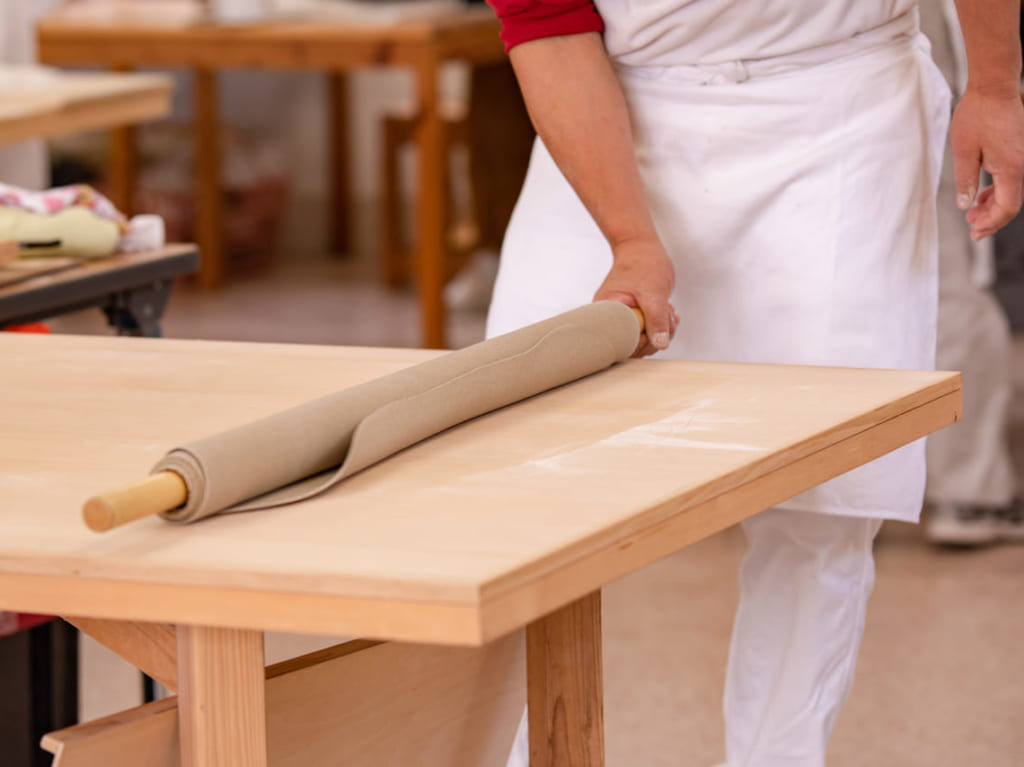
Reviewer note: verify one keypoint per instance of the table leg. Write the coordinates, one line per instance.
(339, 233)
(138, 312)
(123, 169)
(564, 686)
(208, 213)
(429, 249)
(221, 700)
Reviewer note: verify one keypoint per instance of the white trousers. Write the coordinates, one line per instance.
(804, 587)
(968, 462)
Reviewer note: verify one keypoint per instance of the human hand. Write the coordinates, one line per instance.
(988, 132)
(642, 276)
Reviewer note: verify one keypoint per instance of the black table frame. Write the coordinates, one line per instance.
(133, 297)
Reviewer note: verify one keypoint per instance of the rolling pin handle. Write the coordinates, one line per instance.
(639, 317)
(155, 494)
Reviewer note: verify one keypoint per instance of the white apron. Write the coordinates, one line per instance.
(796, 196)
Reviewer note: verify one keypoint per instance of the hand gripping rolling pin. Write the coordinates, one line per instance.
(300, 452)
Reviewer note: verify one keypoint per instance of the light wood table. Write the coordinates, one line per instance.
(47, 105)
(516, 519)
(422, 45)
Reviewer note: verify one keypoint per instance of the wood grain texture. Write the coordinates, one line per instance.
(75, 103)
(25, 269)
(123, 162)
(339, 234)
(431, 203)
(67, 270)
(565, 690)
(470, 534)
(208, 192)
(150, 647)
(154, 494)
(221, 702)
(310, 44)
(360, 704)
(123, 37)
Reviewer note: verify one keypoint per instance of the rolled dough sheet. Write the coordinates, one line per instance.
(301, 452)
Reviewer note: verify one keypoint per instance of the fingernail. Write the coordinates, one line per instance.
(965, 200)
(660, 340)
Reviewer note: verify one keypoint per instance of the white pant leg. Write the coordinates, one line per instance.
(804, 586)
(970, 462)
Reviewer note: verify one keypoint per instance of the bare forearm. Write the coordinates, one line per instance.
(991, 38)
(578, 109)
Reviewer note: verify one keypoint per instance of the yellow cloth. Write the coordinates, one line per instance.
(81, 232)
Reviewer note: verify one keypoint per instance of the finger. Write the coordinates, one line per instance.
(997, 206)
(966, 168)
(983, 200)
(658, 319)
(646, 350)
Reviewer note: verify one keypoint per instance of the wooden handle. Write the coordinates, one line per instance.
(160, 492)
(9, 252)
(639, 317)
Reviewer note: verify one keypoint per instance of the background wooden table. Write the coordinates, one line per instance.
(38, 105)
(131, 288)
(515, 519)
(206, 47)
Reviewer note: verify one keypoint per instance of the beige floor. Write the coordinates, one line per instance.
(941, 676)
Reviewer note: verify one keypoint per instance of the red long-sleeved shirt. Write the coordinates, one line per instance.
(525, 20)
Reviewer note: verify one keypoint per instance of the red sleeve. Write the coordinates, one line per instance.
(525, 20)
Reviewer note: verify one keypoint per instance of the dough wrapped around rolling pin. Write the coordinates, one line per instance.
(301, 452)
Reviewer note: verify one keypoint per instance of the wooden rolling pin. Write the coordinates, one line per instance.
(159, 493)
(155, 494)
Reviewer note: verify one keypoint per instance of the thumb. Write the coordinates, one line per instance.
(657, 321)
(967, 169)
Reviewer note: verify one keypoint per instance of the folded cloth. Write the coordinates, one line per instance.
(60, 198)
(74, 232)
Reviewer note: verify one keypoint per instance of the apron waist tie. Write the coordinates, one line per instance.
(903, 28)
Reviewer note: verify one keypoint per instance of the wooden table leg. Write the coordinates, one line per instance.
(565, 688)
(339, 233)
(208, 213)
(429, 250)
(221, 699)
(123, 169)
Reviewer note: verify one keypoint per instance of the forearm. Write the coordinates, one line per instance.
(577, 106)
(992, 42)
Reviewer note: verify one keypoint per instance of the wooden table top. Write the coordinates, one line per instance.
(459, 539)
(37, 103)
(78, 283)
(67, 36)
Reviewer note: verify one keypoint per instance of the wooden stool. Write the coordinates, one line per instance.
(397, 131)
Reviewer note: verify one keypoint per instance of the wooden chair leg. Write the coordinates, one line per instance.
(393, 266)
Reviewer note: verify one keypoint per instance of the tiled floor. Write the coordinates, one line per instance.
(941, 676)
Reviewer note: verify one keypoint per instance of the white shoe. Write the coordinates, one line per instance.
(954, 524)
(471, 288)
(1010, 522)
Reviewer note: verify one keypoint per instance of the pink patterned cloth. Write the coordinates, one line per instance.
(61, 197)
